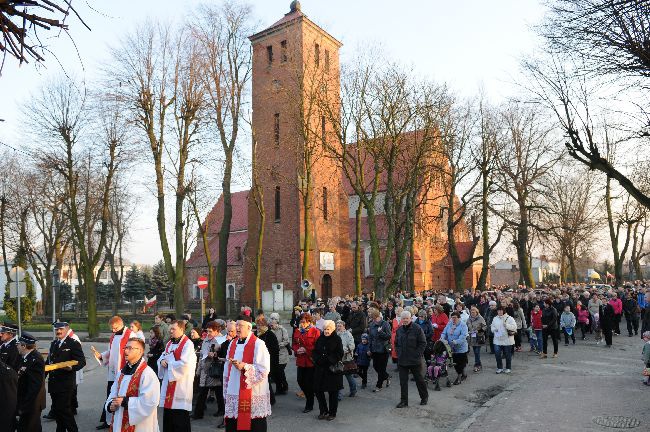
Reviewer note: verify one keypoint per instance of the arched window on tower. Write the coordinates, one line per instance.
(325, 203)
(277, 203)
(317, 55)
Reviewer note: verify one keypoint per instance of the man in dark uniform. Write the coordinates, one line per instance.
(31, 385)
(9, 346)
(62, 381)
(8, 390)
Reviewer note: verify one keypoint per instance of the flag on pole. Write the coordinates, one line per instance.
(609, 275)
(148, 303)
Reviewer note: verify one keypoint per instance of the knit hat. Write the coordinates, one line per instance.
(364, 336)
(492, 303)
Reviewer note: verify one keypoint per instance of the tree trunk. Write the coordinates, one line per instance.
(358, 288)
(485, 233)
(306, 243)
(224, 235)
(523, 255)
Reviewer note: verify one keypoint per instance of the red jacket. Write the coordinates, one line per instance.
(305, 340)
(536, 320)
(441, 319)
(617, 304)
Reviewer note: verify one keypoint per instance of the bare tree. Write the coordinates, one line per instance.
(222, 34)
(525, 159)
(157, 73)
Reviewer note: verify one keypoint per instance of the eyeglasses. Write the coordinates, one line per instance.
(128, 348)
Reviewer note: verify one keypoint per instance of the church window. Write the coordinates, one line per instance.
(325, 203)
(317, 55)
(322, 129)
(277, 203)
(269, 53)
(283, 51)
(276, 128)
(327, 60)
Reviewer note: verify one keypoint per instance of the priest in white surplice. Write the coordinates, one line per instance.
(245, 381)
(176, 367)
(113, 357)
(132, 405)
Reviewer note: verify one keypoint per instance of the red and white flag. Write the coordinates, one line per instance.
(148, 303)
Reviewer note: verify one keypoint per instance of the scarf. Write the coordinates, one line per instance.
(245, 392)
(131, 391)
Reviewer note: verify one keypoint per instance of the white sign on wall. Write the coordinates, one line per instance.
(327, 261)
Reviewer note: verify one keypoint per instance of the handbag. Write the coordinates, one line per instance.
(349, 367)
(216, 369)
(337, 368)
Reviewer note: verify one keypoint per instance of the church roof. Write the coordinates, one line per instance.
(238, 232)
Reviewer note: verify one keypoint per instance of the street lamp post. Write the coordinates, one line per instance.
(55, 285)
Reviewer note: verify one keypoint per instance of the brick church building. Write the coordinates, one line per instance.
(284, 56)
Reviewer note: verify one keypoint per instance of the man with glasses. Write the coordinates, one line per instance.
(135, 394)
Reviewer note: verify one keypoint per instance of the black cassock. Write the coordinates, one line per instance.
(8, 390)
(31, 392)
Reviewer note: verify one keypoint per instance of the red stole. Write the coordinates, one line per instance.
(131, 391)
(171, 385)
(126, 335)
(245, 393)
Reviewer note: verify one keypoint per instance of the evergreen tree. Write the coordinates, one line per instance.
(27, 302)
(133, 286)
(160, 284)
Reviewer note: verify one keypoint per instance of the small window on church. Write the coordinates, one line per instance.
(277, 204)
(322, 129)
(269, 53)
(276, 128)
(283, 51)
(317, 55)
(325, 203)
(327, 60)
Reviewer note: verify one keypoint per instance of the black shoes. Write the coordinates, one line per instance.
(424, 401)
(306, 410)
(103, 426)
(402, 404)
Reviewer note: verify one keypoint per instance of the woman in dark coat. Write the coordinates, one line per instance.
(607, 322)
(156, 348)
(328, 351)
(272, 345)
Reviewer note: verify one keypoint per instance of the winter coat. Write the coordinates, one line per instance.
(379, 336)
(357, 324)
(550, 318)
(410, 343)
(607, 317)
(594, 305)
(475, 326)
(393, 332)
(348, 345)
(567, 320)
(489, 316)
(268, 337)
(536, 320)
(500, 326)
(205, 362)
(583, 316)
(328, 351)
(282, 335)
(456, 335)
(629, 307)
(361, 353)
(305, 339)
(438, 323)
(426, 327)
(617, 304)
(520, 318)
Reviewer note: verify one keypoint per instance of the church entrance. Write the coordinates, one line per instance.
(326, 287)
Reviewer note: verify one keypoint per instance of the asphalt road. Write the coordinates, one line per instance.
(586, 385)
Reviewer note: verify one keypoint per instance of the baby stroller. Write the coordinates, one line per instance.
(441, 361)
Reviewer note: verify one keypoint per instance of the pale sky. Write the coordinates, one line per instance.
(467, 44)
